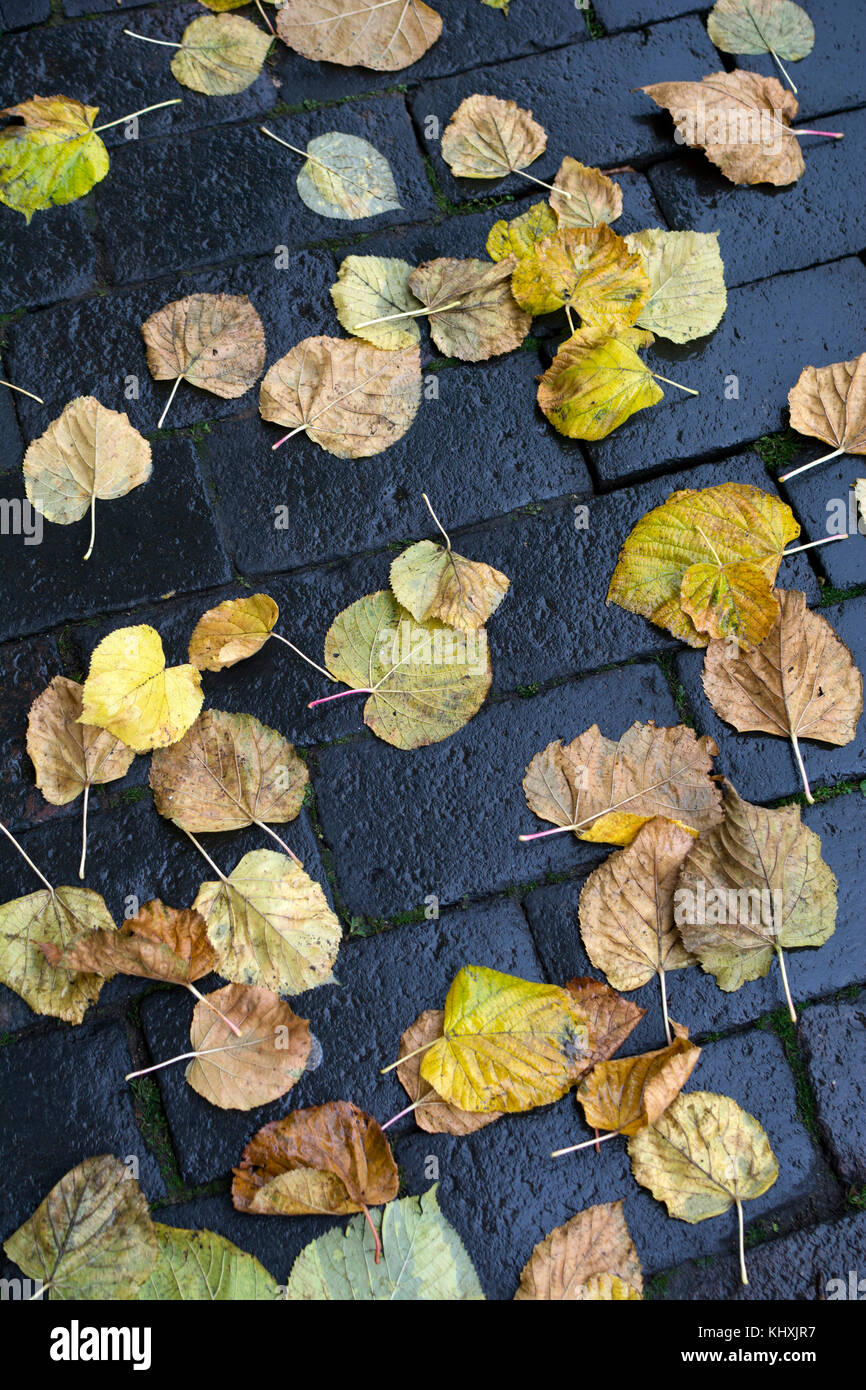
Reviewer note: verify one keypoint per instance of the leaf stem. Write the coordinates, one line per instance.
(667, 381)
(804, 467)
(400, 1060)
(409, 1108)
(743, 1275)
(271, 27)
(26, 857)
(408, 314)
(89, 550)
(436, 519)
(341, 695)
(304, 657)
(792, 1012)
(281, 843)
(825, 540)
(84, 831)
(587, 1143)
(175, 101)
(564, 193)
(163, 43)
(369, 1221)
(203, 999)
(23, 392)
(665, 1007)
(785, 74)
(177, 381)
(204, 854)
(828, 134)
(802, 768)
(188, 1056)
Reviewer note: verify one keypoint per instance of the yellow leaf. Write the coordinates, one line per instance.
(596, 382)
(130, 692)
(54, 157)
(432, 582)
(476, 315)
(231, 632)
(434, 1115)
(629, 1092)
(687, 282)
(588, 269)
(584, 197)
(345, 177)
(220, 54)
(377, 287)
(58, 915)
(515, 238)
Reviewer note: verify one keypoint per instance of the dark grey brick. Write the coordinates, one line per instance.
(231, 192)
(812, 313)
(64, 1100)
(762, 767)
(11, 447)
(628, 14)
(50, 259)
(445, 819)
(693, 996)
(765, 230)
(384, 981)
(504, 1193)
(74, 9)
(95, 62)
(834, 1038)
(824, 502)
(829, 79)
(108, 347)
(159, 537)
(609, 123)
(18, 14)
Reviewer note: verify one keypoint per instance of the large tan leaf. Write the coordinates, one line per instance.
(130, 692)
(424, 680)
(371, 288)
(385, 35)
(761, 26)
(88, 453)
(331, 1159)
(829, 403)
(270, 924)
(605, 789)
(487, 138)
(53, 157)
(741, 120)
(506, 1044)
(610, 1018)
(596, 382)
(434, 1115)
(158, 943)
(213, 341)
(751, 887)
(227, 772)
(200, 1266)
(220, 54)
(568, 1263)
(431, 581)
(514, 238)
(475, 315)
(715, 550)
(623, 1095)
(259, 1066)
(92, 1236)
(588, 269)
(56, 915)
(584, 197)
(353, 399)
(800, 682)
(231, 632)
(687, 282)
(345, 177)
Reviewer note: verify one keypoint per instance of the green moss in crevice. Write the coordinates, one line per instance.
(677, 689)
(777, 450)
(786, 1031)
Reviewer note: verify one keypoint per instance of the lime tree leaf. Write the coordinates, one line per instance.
(610, 1017)
(423, 1259)
(514, 238)
(588, 269)
(434, 1115)
(220, 54)
(213, 341)
(384, 35)
(424, 680)
(752, 887)
(57, 916)
(158, 943)
(473, 314)
(829, 403)
(605, 789)
(584, 197)
(569, 1263)
(377, 287)
(231, 632)
(200, 1266)
(687, 282)
(507, 1044)
(130, 692)
(270, 924)
(596, 382)
(346, 177)
(431, 581)
(69, 757)
(259, 1066)
(53, 157)
(92, 1236)
(487, 138)
(761, 26)
(733, 530)
(627, 1093)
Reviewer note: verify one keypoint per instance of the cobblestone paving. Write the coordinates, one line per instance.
(201, 202)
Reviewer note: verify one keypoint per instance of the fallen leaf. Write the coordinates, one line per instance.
(346, 177)
(829, 403)
(584, 197)
(424, 680)
(130, 692)
(330, 1160)
(231, 632)
(588, 269)
(158, 943)
(360, 33)
(507, 1044)
(610, 1018)
(487, 138)
(423, 1259)
(227, 772)
(435, 1115)
(377, 288)
(88, 453)
(200, 1266)
(220, 54)
(687, 282)
(213, 341)
(271, 1054)
(800, 682)
(353, 399)
(605, 789)
(56, 915)
(741, 121)
(53, 157)
(498, 5)
(702, 1156)
(473, 312)
(860, 497)
(761, 26)
(270, 924)
(569, 1262)
(752, 887)
(432, 582)
(724, 544)
(92, 1236)
(596, 382)
(514, 238)
(625, 1094)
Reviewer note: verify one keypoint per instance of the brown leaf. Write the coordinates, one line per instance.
(384, 35)
(568, 1263)
(488, 138)
(740, 120)
(213, 341)
(610, 1018)
(67, 756)
(159, 943)
(829, 403)
(271, 1054)
(332, 1159)
(584, 197)
(631, 1092)
(477, 316)
(236, 629)
(436, 1115)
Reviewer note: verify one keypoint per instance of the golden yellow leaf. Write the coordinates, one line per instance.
(220, 54)
(435, 1115)
(130, 692)
(433, 582)
(384, 35)
(487, 138)
(231, 632)
(588, 269)
(629, 1092)
(687, 282)
(475, 314)
(569, 1263)
(514, 238)
(271, 1054)
(56, 915)
(53, 157)
(596, 382)
(584, 197)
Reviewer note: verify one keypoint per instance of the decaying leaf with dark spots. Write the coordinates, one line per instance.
(474, 314)
(158, 943)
